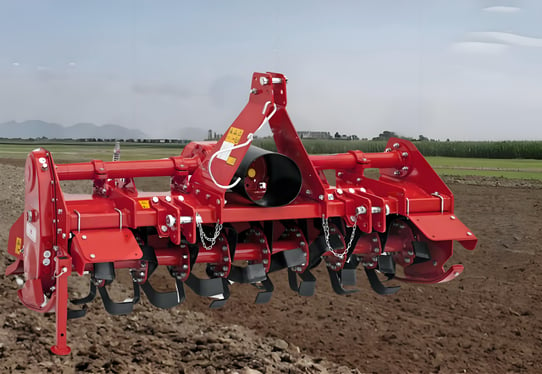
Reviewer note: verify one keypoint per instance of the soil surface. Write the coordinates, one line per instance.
(487, 321)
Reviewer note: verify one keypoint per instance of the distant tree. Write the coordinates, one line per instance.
(386, 135)
(337, 135)
(422, 138)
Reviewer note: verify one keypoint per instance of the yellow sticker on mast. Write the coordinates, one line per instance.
(232, 139)
(234, 135)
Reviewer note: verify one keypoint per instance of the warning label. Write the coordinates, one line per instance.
(18, 245)
(234, 135)
(145, 204)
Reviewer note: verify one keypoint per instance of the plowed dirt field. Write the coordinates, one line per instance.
(487, 321)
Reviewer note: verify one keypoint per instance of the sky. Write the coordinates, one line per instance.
(445, 69)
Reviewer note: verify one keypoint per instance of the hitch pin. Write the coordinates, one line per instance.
(64, 270)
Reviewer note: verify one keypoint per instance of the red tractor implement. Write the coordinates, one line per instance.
(242, 211)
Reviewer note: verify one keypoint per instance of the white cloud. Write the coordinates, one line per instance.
(16, 64)
(506, 38)
(480, 48)
(502, 9)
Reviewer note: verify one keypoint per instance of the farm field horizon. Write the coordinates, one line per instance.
(69, 151)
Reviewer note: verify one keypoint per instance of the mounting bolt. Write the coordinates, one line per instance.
(163, 228)
(308, 192)
(155, 199)
(141, 274)
(376, 250)
(375, 240)
(456, 274)
(397, 172)
(84, 237)
(185, 267)
(362, 189)
(265, 261)
(339, 191)
(224, 248)
(168, 199)
(321, 197)
(435, 263)
(63, 236)
(46, 262)
(302, 244)
(340, 174)
(351, 190)
(396, 145)
(330, 196)
(170, 221)
(181, 198)
(217, 201)
(47, 254)
(404, 154)
(226, 259)
(225, 268)
(469, 233)
(452, 217)
(358, 179)
(92, 255)
(407, 260)
(410, 253)
(405, 168)
(185, 257)
(361, 210)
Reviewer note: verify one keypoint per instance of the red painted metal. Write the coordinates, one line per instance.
(114, 223)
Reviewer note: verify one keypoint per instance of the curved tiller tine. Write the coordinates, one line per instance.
(205, 287)
(337, 283)
(87, 299)
(105, 271)
(377, 285)
(164, 300)
(267, 288)
(220, 300)
(306, 286)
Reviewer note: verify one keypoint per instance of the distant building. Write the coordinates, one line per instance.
(314, 134)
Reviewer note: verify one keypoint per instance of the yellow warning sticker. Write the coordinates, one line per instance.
(18, 245)
(231, 161)
(145, 204)
(234, 135)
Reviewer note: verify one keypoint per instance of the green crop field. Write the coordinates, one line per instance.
(514, 168)
(79, 152)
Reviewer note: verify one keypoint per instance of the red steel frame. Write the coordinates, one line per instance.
(58, 233)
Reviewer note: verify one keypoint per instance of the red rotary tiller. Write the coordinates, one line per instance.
(243, 211)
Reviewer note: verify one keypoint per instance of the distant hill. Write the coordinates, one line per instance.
(38, 129)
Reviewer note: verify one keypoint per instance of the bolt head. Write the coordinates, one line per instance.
(163, 228)
(84, 237)
(180, 198)
(168, 199)
(339, 191)
(155, 199)
(92, 255)
(46, 262)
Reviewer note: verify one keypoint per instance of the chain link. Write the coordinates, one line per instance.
(204, 238)
(325, 226)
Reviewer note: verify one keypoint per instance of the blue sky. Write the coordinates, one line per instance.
(457, 69)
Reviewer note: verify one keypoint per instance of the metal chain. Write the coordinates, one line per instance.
(325, 226)
(204, 238)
